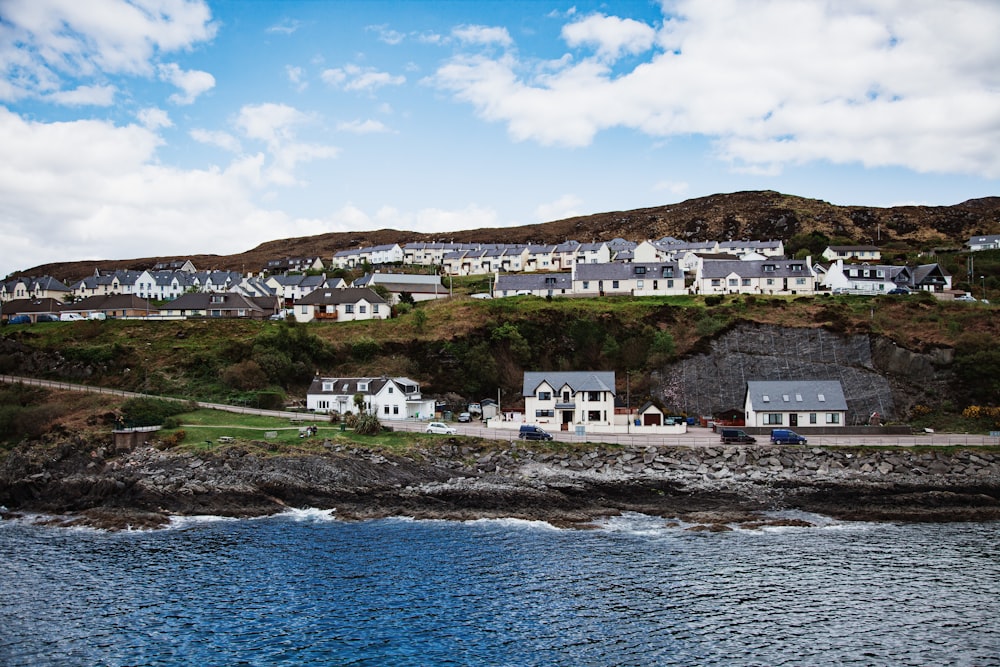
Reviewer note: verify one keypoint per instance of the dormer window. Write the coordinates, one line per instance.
(769, 268)
(640, 270)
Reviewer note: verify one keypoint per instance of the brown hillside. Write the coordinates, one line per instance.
(741, 215)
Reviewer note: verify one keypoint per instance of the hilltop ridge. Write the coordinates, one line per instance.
(762, 215)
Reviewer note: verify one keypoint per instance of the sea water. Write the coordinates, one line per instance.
(306, 589)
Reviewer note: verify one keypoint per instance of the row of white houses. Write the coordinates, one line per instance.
(586, 400)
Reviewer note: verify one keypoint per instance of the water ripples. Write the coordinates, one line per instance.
(304, 589)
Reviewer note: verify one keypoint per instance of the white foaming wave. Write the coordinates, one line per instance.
(184, 521)
(511, 522)
(640, 525)
(313, 514)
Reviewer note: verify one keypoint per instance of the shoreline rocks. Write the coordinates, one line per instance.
(455, 480)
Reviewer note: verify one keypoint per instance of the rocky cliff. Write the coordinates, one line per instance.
(462, 479)
(876, 374)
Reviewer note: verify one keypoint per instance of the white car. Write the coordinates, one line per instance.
(439, 427)
(71, 317)
(965, 297)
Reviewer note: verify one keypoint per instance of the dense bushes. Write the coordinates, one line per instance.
(150, 411)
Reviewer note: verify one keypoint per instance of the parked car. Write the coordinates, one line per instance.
(465, 417)
(70, 317)
(730, 435)
(784, 436)
(965, 297)
(97, 316)
(899, 290)
(19, 319)
(441, 427)
(46, 317)
(532, 432)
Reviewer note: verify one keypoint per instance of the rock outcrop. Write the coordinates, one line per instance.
(144, 487)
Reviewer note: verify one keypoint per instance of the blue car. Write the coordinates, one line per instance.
(19, 319)
(784, 436)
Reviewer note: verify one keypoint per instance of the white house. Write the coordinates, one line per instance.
(341, 305)
(635, 279)
(390, 398)
(866, 278)
(538, 284)
(580, 397)
(862, 253)
(991, 242)
(770, 276)
(795, 403)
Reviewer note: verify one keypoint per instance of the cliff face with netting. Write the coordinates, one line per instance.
(876, 375)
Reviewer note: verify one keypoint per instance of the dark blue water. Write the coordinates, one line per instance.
(303, 589)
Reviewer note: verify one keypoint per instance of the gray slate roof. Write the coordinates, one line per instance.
(798, 395)
(577, 380)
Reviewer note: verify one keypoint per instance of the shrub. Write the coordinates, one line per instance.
(714, 299)
(245, 376)
(367, 424)
(150, 411)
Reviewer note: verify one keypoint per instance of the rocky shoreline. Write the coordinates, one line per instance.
(712, 488)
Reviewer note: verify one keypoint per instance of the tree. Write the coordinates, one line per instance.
(359, 402)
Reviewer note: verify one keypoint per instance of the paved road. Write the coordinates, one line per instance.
(695, 437)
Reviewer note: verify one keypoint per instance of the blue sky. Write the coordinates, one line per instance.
(133, 128)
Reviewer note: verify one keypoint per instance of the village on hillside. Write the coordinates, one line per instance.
(306, 289)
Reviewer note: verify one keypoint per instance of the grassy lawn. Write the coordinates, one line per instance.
(203, 428)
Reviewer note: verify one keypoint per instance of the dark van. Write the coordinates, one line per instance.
(532, 432)
(730, 435)
(784, 436)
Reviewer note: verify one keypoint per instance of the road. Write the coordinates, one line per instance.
(695, 437)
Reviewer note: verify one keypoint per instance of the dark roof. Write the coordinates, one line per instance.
(334, 296)
(789, 395)
(577, 381)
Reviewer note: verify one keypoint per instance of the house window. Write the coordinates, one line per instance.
(586, 284)
(639, 284)
(593, 415)
(593, 396)
(395, 409)
(668, 273)
(716, 282)
(733, 282)
(327, 386)
(833, 418)
(745, 282)
(545, 413)
(640, 270)
(800, 281)
(390, 390)
(386, 409)
(545, 395)
(670, 283)
(349, 309)
(773, 419)
(362, 386)
(770, 281)
(362, 309)
(614, 284)
(812, 417)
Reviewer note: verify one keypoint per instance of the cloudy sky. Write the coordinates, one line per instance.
(131, 128)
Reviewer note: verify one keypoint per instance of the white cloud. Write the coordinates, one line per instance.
(285, 26)
(427, 220)
(612, 36)
(387, 35)
(771, 82)
(153, 119)
(566, 206)
(275, 125)
(363, 127)
(223, 140)
(672, 187)
(191, 82)
(361, 79)
(296, 75)
(481, 34)
(98, 96)
(43, 42)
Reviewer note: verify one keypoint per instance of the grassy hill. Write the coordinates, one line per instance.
(759, 215)
(463, 348)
